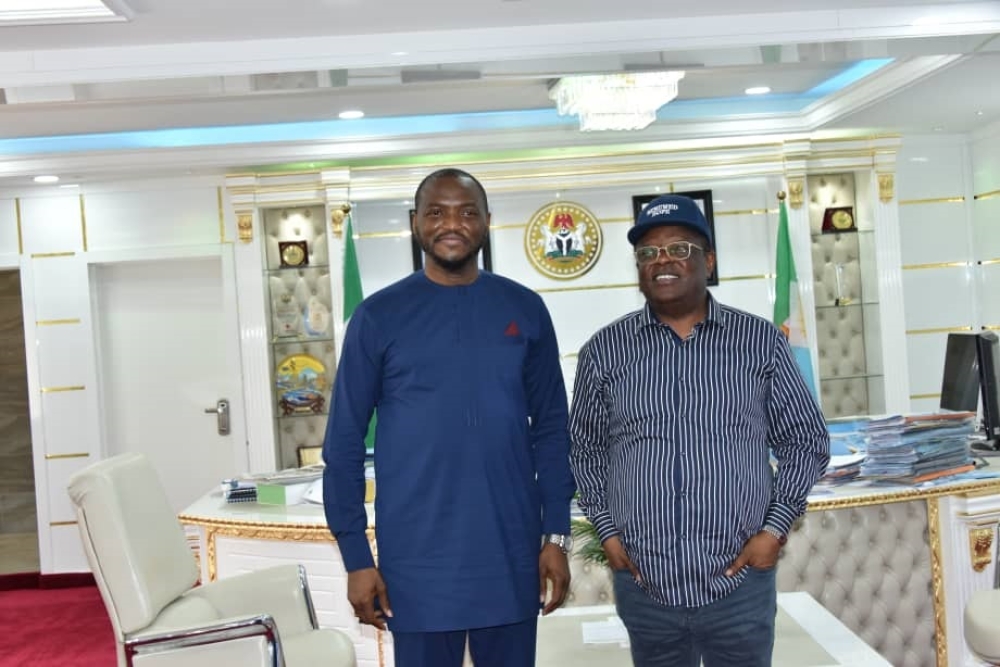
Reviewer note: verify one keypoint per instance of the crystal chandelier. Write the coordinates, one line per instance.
(625, 101)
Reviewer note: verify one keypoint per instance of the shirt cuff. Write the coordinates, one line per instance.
(555, 518)
(355, 551)
(780, 518)
(604, 526)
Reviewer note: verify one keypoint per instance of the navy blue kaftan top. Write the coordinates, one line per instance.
(471, 449)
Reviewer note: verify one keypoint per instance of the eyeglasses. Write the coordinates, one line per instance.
(677, 250)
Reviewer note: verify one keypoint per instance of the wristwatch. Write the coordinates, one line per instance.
(564, 542)
(777, 534)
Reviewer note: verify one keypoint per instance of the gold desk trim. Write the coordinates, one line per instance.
(56, 524)
(46, 255)
(70, 455)
(937, 582)
(52, 323)
(901, 496)
(52, 390)
(916, 332)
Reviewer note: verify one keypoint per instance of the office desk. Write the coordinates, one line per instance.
(806, 635)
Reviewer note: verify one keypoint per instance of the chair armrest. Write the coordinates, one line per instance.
(280, 592)
(223, 630)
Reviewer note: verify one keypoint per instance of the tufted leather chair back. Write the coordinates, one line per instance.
(134, 543)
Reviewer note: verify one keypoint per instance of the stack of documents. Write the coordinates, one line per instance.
(918, 448)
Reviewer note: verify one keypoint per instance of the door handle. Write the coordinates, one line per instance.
(221, 411)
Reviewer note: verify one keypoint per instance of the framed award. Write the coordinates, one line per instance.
(293, 253)
(838, 219)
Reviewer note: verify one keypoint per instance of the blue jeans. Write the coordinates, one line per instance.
(736, 630)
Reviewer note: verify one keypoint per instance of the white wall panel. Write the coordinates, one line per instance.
(931, 167)
(990, 289)
(70, 422)
(152, 218)
(58, 472)
(933, 298)
(576, 316)
(925, 353)
(753, 296)
(64, 353)
(61, 287)
(985, 153)
(67, 550)
(933, 232)
(52, 224)
(8, 227)
(986, 228)
(925, 405)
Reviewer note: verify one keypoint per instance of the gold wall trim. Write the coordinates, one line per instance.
(43, 255)
(759, 276)
(74, 387)
(56, 524)
(936, 265)
(920, 332)
(385, 235)
(222, 215)
(991, 486)
(83, 222)
(70, 455)
(987, 262)
(937, 583)
(991, 327)
(17, 217)
(986, 195)
(917, 397)
(52, 323)
(932, 200)
(517, 226)
(569, 355)
(748, 211)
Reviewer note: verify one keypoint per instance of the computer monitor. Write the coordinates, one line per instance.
(970, 381)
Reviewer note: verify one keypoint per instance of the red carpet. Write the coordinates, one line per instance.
(60, 627)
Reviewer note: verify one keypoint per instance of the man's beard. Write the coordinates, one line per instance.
(452, 265)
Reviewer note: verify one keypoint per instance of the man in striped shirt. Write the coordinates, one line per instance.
(676, 409)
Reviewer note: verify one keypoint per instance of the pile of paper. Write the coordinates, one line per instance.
(918, 448)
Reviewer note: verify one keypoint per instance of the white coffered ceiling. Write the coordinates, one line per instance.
(457, 75)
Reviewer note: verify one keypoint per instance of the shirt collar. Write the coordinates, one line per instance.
(716, 315)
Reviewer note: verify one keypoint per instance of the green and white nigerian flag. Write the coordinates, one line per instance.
(788, 315)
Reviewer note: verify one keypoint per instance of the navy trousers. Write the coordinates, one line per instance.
(498, 646)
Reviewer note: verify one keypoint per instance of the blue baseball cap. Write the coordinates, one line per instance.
(671, 210)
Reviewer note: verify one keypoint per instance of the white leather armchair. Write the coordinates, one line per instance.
(982, 625)
(148, 577)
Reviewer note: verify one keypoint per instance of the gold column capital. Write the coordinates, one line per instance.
(981, 547)
(244, 226)
(337, 217)
(886, 187)
(796, 191)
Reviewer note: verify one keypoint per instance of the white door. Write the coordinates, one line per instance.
(168, 351)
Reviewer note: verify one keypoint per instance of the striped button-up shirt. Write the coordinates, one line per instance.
(671, 440)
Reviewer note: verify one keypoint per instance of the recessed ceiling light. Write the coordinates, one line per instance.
(939, 129)
(979, 113)
(37, 12)
(70, 185)
(46, 179)
(757, 90)
(352, 114)
(400, 53)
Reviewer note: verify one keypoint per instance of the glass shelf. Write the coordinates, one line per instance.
(307, 267)
(834, 378)
(298, 340)
(301, 331)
